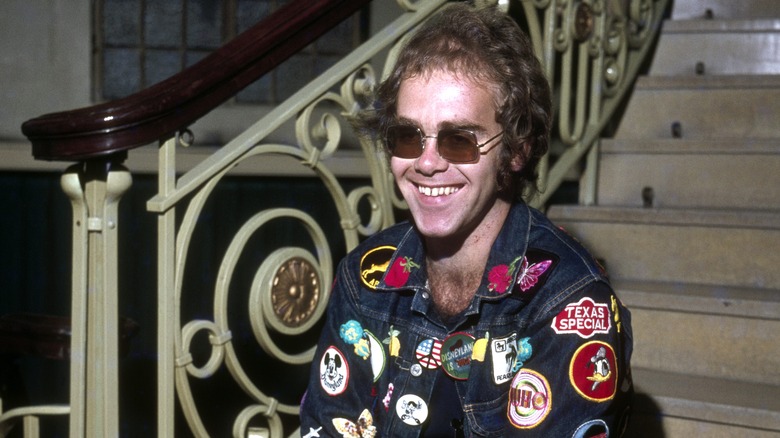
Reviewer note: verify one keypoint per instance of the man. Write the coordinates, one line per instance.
(479, 317)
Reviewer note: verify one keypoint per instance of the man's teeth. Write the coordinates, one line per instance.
(437, 191)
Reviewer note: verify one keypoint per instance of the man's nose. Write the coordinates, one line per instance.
(429, 161)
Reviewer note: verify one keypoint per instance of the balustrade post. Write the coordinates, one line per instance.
(95, 188)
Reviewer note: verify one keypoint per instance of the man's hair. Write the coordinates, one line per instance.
(488, 48)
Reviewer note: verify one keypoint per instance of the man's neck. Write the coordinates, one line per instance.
(455, 266)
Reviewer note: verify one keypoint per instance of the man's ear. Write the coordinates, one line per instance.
(517, 161)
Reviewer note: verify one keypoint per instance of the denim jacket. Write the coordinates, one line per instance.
(543, 349)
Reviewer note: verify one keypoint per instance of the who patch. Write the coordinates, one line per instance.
(530, 399)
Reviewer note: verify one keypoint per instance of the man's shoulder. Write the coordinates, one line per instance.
(549, 237)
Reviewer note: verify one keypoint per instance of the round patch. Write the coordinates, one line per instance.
(334, 371)
(593, 371)
(456, 355)
(374, 264)
(377, 356)
(530, 399)
(428, 353)
(411, 409)
(592, 429)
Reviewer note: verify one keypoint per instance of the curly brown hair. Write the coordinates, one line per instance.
(488, 47)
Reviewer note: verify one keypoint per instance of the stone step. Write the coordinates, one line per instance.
(739, 9)
(717, 247)
(714, 331)
(697, 173)
(695, 406)
(718, 47)
(740, 106)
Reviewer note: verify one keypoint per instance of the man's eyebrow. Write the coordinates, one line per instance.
(447, 124)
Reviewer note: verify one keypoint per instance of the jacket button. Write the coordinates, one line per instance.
(416, 369)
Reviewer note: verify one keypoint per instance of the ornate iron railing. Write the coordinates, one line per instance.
(592, 51)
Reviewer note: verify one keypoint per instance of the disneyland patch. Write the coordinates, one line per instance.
(334, 372)
(584, 318)
(374, 264)
(593, 371)
(530, 399)
(456, 355)
(362, 428)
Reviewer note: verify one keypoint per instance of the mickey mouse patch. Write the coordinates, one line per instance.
(334, 372)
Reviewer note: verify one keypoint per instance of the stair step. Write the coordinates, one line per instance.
(720, 247)
(695, 406)
(718, 47)
(697, 173)
(715, 331)
(742, 9)
(739, 106)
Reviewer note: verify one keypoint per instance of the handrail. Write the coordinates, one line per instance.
(163, 109)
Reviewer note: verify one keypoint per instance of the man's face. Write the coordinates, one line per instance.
(446, 199)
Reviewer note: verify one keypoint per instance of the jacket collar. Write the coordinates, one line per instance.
(407, 265)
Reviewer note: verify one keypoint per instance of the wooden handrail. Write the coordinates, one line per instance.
(161, 110)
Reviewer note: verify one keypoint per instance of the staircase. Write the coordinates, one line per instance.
(687, 222)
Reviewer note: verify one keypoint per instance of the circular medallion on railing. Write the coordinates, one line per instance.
(295, 292)
(583, 22)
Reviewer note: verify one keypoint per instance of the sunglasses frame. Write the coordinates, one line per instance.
(477, 146)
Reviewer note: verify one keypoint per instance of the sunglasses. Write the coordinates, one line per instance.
(457, 146)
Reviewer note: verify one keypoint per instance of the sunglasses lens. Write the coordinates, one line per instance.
(458, 146)
(404, 141)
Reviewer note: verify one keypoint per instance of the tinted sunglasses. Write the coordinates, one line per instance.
(454, 145)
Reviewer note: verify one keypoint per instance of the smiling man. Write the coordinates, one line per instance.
(478, 317)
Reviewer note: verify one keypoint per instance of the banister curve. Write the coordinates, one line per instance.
(173, 104)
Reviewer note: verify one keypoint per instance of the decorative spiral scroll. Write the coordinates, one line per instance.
(375, 221)
(217, 337)
(241, 426)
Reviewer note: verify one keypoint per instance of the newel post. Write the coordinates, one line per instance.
(95, 187)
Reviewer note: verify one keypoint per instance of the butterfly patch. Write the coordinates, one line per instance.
(363, 428)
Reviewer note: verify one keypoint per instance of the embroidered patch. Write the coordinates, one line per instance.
(530, 399)
(388, 397)
(399, 273)
(456, 355)
(592, 429)
(508, 356)
(363, 428)
(616, 313)
(313, 433)
(531, 272)
(377, 355)
(532, 268)
(334, 372)
(374, 264)
(585, 318)
(353, 334)
(428, 353)
(412, 410)
(593, 371)
(394, 345)
(480, 348)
